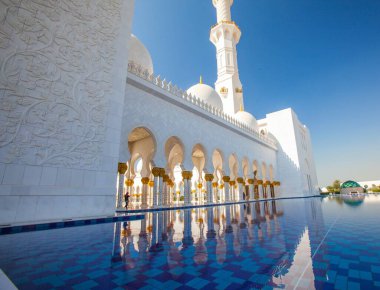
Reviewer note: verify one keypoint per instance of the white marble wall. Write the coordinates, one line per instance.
(293, 151)
(62, 83)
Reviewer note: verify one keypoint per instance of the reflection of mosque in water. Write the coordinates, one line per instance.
(258, 234)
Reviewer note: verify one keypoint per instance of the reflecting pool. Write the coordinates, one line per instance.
(311, 243)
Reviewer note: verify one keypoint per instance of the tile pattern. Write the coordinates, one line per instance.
(280, 244)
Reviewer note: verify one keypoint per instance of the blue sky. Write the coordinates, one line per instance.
(320, 57)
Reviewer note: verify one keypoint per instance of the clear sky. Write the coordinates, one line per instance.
(320, 57)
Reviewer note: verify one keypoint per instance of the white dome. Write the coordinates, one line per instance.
(139, 55)
(206, 94)
(247, 119)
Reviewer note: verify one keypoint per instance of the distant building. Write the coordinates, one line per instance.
(350, 186)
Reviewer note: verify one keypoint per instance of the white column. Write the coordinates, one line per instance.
(240, 181)
(121, 169)
(150, 192)
(263, 189)
(251, 191)
(187, 181)
(209, 178)
(165, 190)
(226, 180)
(156, 173)
(232, 190)
(144, 192)
(215, 192)
(169, 185)
(160, 187)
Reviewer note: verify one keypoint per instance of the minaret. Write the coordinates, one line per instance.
(225, 35)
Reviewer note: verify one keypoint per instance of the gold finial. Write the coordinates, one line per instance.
(241, 107)
(200, 80)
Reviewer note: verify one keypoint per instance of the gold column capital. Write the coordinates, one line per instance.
(156, 171)
(259, 181)
(162, 172)
(200, 185)
(251, 181)
(240, 180)
(209, 177)
(151, 183)
(165, 178)
(129, 182)
(145, 180)
(232, 182)
(122, 168)
(226, 178)
(214, 184)
(187, 174)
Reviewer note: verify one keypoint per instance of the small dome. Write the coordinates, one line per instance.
(139, 55)
(206, 94)
(246, 118)
(350, 184)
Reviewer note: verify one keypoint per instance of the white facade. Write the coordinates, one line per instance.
(73, 118)
(295, 156)
(62, 82)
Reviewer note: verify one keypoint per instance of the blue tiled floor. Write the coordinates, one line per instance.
(303, 243)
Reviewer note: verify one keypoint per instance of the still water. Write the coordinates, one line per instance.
(311, 243)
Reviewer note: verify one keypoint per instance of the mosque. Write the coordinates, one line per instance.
(71, 118)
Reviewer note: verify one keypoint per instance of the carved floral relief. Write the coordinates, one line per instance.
(56, 58)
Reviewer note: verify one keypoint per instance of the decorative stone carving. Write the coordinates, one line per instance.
(56, 61)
